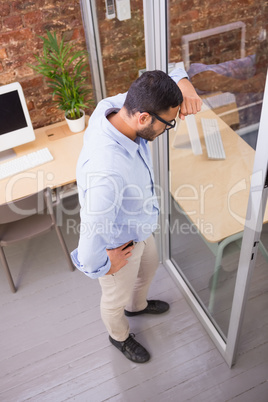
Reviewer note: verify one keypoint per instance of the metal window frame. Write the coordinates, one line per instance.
(254, 222)
(186, 39)
(90, 22)
(155, 33)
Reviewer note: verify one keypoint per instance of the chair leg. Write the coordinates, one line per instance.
(5, 265)
(220, 249)
(64, 248)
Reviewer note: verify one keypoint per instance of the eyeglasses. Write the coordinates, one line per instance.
(169, 124)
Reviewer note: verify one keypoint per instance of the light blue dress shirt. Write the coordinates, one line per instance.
(116, 189)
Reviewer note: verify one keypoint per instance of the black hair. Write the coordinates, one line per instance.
(154, 91)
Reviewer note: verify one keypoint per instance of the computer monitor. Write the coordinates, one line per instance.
(15, 123)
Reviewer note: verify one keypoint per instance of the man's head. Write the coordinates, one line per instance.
(155, 98)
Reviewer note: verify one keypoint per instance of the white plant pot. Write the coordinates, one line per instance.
(77, 125)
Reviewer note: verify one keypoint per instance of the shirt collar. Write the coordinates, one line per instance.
(130, 146)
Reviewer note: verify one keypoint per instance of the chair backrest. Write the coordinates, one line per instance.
(37, 203)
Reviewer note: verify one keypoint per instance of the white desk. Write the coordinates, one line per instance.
(222, 185)
(65, 148)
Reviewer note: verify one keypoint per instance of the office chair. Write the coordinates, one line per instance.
(26, 218)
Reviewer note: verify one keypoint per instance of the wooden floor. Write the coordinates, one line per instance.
(54, 347)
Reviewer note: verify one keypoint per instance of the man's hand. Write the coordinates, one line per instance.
(191, 102)
(118, 257)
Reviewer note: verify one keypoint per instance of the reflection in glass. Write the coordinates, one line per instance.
(122, 46)
(225, 55)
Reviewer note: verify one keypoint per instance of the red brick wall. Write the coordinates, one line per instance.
(122, 42)
(187, 16)
(21, 22)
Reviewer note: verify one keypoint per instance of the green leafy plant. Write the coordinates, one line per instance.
(64, 67)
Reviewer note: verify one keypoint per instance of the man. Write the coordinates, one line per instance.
(119, 209)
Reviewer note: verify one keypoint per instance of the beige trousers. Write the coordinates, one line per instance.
(128, 288)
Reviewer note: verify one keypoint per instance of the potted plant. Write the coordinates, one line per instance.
(64, 67)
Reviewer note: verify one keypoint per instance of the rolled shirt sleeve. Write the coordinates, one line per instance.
(178, 74)
(101, 203)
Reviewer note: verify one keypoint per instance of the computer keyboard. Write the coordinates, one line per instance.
(213, 139)
(193, 134)
(25, 162)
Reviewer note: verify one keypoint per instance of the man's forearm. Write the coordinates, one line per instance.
(191, 101)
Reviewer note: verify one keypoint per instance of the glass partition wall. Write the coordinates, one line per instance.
(212, 210)
(225, 55)
(115, 42)
(210, 227)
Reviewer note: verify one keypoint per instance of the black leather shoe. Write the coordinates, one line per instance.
(154, 307)
(132, 349)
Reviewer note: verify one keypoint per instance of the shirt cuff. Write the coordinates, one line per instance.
(101, 271)
(178, 74)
